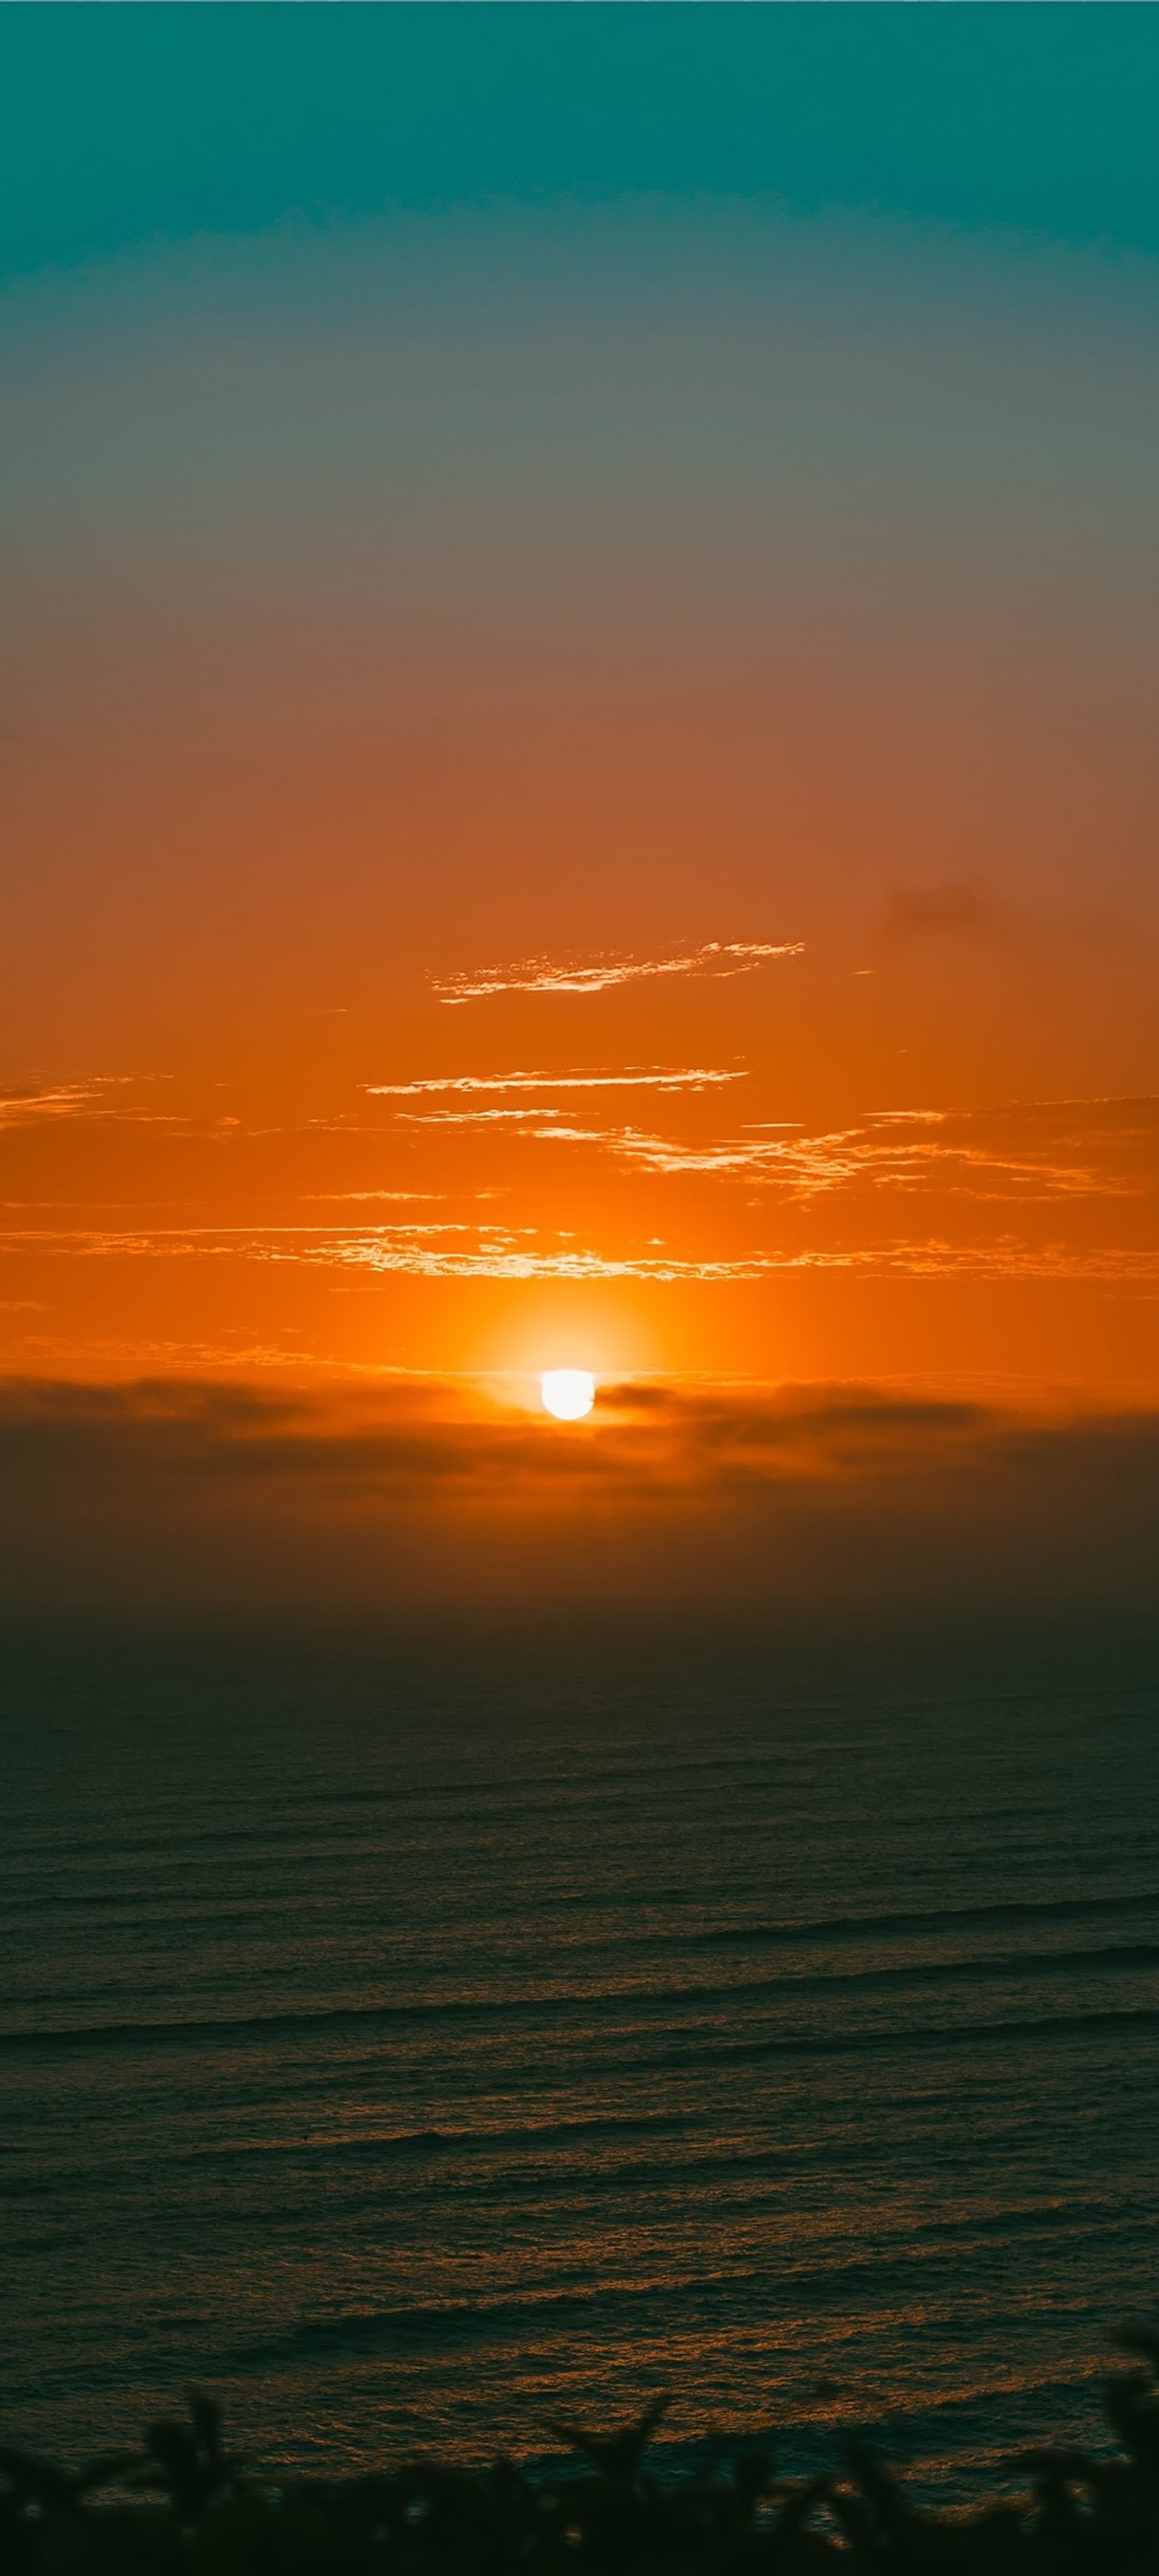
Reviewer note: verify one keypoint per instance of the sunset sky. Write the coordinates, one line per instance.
(578, 747)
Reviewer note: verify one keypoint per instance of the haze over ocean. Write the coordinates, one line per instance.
(579, 1219)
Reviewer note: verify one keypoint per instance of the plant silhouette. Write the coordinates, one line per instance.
(1079, 2513)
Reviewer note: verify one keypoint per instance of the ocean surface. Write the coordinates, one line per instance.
(414, 2038)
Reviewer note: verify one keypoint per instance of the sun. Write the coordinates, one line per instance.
(568, 1393)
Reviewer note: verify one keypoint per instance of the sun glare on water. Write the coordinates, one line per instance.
(568, 1393)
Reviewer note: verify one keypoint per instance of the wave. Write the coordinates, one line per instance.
(882, 2277)
(472, 2321)
(942, 1919)
(641, 2003)
(921, 2038)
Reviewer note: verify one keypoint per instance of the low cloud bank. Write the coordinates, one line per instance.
(179, 1492)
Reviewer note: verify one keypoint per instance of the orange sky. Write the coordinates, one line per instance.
(581, 789)
(608, 1024)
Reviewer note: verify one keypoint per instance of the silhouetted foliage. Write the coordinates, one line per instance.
(1080, 2514)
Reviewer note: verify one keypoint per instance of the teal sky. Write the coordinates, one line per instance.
(121, 125)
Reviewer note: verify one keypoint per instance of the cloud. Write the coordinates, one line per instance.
(189, 1491)
(520, 1117)
(1032, 1152)
(545, 975)
(1062, 1190)
(91, 1096)
(516, 1253)
(952, 910)
(655, 1078)
(489, 1252)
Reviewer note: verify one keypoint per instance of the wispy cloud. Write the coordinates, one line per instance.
(493, 1252)
(632, 1078)
(524, 1118)
(904, 1192)
(653, 1153)
(91, 1096)
(481, 1252)
(547, 975)
(1027, 1152)
(1006, 1257)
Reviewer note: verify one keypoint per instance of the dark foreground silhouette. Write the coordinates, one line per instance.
(185, 2502)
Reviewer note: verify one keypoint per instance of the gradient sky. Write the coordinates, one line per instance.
(578, 746)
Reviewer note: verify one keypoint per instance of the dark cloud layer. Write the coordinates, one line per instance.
(174, 1492)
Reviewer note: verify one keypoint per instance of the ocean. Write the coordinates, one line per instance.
(416, 2038)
